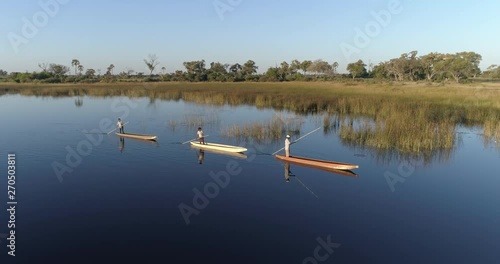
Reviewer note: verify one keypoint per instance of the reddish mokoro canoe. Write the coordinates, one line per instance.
(318, 163)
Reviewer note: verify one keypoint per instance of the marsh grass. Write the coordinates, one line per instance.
(274, 129)
(408, 129)
(412, 118)
(492, 132)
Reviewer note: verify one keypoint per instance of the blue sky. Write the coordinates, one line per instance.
(123, 33)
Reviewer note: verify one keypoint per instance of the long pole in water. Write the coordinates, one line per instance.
(298, 139)
(193, 139)
(115, 129)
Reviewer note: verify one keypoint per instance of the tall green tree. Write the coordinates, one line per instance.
(196, 70)
(428, 63)
(357, 68)
(461, 65)
(249, 68)
(217, 72)
(295, 66)
(305, 65)
(284, 70)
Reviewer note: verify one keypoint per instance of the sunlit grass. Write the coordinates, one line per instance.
(413, 118)
(274, 129)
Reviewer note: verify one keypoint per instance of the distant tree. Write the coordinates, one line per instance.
(235, 68)
(357, 69)
(43, 66)
(90, 73)
(75, 64)
(3, 73)
(273, 74)
(217, 72)
(493, 71)
(411, 65)
(284, 70)
(320, 67)
(110, 68)
(163, 70)
(460, 65)
(249, 68)
(305, 65)
(196, 70)
(428, 63)
(152, 62)
(335, 66)
(80, 69)
(130, 71)
(217, 67)
(295, 66)
(379, 71)
(58, 70)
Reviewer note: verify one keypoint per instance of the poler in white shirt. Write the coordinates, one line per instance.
(120, 125)
(201, 137)
(287, 145)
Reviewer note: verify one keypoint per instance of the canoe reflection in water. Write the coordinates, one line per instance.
(334, 171)
(201, 154)
(121, 143)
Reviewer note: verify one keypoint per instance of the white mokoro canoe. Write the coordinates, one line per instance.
(318, 163)
(225, 153)
(137, 136)
(220, 147)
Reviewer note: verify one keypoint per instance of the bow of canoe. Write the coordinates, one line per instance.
(137, 136)
(318, 163)
(220, 147)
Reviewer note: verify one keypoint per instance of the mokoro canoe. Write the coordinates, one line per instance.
(220, 147)
(225, 153)
(137, 136)
(318, 163)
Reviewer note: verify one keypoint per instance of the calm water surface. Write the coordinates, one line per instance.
(121, 200)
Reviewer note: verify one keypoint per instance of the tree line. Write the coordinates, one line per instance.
(407, 67)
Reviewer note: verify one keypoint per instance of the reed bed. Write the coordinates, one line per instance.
(417, 118)
(274, 129)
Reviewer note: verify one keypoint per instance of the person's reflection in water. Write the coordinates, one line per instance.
(122, 144)
(201, 156)
(288, 172)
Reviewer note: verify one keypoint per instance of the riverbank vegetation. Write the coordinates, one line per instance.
(410, 118)
(432, 67)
